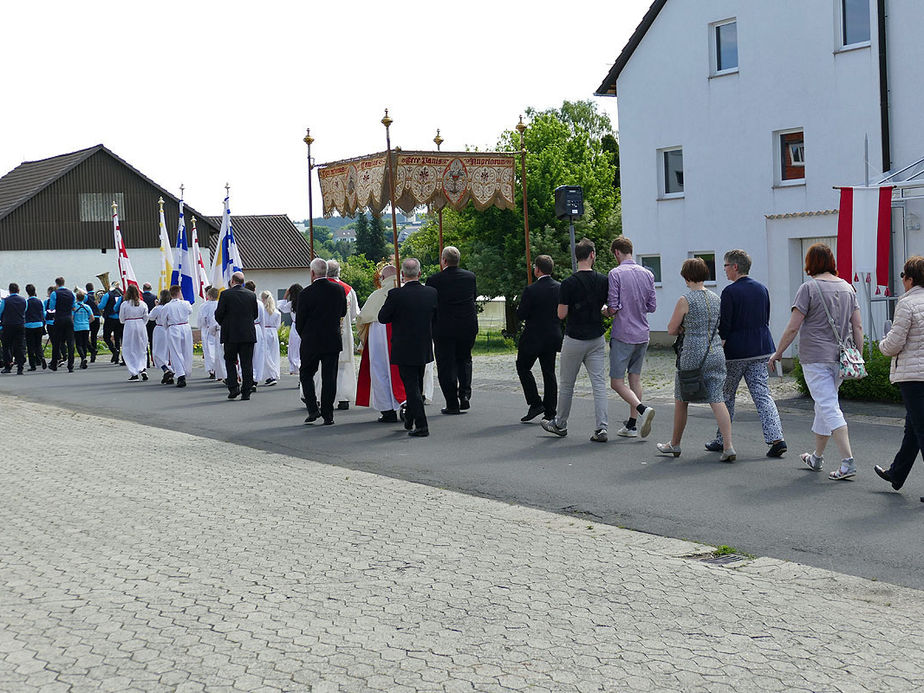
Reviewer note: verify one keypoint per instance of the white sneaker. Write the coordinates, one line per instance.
(627, 432)
(644, 422)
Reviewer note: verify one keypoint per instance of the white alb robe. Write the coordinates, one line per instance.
(179, 336)
(271, 324)
(159, 349)
(134, 318)
(382, 395)
(295, 341)
(259, 353)
(206, 317)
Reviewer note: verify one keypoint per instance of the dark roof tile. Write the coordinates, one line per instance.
(267, 241)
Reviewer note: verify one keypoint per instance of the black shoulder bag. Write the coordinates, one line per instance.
(692, 383)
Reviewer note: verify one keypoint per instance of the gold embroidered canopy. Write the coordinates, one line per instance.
(437, 179)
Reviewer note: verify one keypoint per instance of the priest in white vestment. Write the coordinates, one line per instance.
(379, 383)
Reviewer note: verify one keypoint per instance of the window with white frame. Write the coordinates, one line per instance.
(98, 206)
(670, 163)
(707, 256)
(724, 46)
(653, 264)
(789, 157)
(854, 19)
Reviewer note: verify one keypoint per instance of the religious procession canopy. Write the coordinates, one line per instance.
(437, 179)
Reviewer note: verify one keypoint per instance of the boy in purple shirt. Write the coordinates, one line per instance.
(631, 297)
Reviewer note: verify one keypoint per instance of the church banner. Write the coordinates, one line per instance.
(437, 179)
(350, 186)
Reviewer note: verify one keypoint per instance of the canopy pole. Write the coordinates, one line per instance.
(308, 140)
(521, 128)
(438, 141)
(386, 121)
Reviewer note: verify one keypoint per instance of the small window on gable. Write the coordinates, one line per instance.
(671, 168)
(724, 47)
(792, 156)
(653, 264)
(854, 19)
(98, 206)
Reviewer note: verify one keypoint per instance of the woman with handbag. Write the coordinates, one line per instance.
(700, 359)
(826, 316)
(905, 344)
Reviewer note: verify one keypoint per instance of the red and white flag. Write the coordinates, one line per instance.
(202, 279)
(126, 273)
(864, 229)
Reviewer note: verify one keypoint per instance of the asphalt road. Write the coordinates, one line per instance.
(765, 507)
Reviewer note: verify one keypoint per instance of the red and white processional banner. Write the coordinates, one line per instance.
(126, 273)
(864, 231)
(435, 179)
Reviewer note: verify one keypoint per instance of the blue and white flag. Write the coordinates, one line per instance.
(185, 268)
(227, 259)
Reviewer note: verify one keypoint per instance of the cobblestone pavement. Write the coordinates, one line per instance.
(177, 563)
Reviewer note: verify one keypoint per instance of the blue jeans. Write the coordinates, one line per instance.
(913, 442)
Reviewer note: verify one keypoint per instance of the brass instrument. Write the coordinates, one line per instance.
(104, 280)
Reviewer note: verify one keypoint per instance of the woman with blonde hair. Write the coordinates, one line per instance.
(824, 314)
(271, 322)
(133, 314)
(905, 344)
(696, 317)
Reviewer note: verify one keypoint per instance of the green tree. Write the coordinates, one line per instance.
(378, 248)
(359, 273)
(370, 238)
(563, 147)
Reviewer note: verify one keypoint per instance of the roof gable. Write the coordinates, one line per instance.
(32, 177)
(608, 86)
(267, 241)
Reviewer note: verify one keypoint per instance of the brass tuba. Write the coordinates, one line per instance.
(104, 280)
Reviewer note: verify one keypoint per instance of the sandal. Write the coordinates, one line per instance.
(847, 470)
(668, 449)
(814, 463)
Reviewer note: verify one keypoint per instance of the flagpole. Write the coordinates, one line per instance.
(438, 141)
(386, 121)
(521, 128)
(308, 139)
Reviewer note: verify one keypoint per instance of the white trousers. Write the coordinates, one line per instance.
(180, 348)
(824, 380)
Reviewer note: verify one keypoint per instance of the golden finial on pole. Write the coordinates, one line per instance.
(437, 140)
(182, 190)
(308, 139)
(194, 222)
(161, 203)
(115, 207)
(521, 128)
(386, 121)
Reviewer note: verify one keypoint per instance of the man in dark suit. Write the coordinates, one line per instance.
(321, 307)
(236, 311)
(454, 331)
(62, 303)
(13, 320)
(411, 311)
(541, 339)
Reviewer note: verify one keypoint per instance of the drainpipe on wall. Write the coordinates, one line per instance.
(884, 88)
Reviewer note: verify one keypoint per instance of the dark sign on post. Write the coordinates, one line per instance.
(569, 204)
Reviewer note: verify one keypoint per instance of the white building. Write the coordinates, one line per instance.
(738, 118)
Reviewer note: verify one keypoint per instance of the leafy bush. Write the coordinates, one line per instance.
(875, 387)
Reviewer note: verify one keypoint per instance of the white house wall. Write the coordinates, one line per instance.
(790, 76)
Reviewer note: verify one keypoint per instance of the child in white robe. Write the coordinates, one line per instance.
(288, 305)
(179, 335)
(133, 314)
(271, 322)
(206, 316)
(159, 349)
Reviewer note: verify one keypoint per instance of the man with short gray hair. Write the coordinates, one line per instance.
(346, 367)
(744, 326)
(455, 330)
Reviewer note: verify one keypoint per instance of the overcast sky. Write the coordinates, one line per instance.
(203, 93)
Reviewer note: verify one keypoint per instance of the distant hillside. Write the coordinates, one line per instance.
(335, 223)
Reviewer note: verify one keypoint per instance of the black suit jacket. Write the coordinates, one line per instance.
(149, 299)
(539, 308)
(456, 315)
(321, 307)
(236, 311)
(410, 310)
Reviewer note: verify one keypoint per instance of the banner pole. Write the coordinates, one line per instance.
(438, 141)
(386, 121)
(308, 139)
(521, 128)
